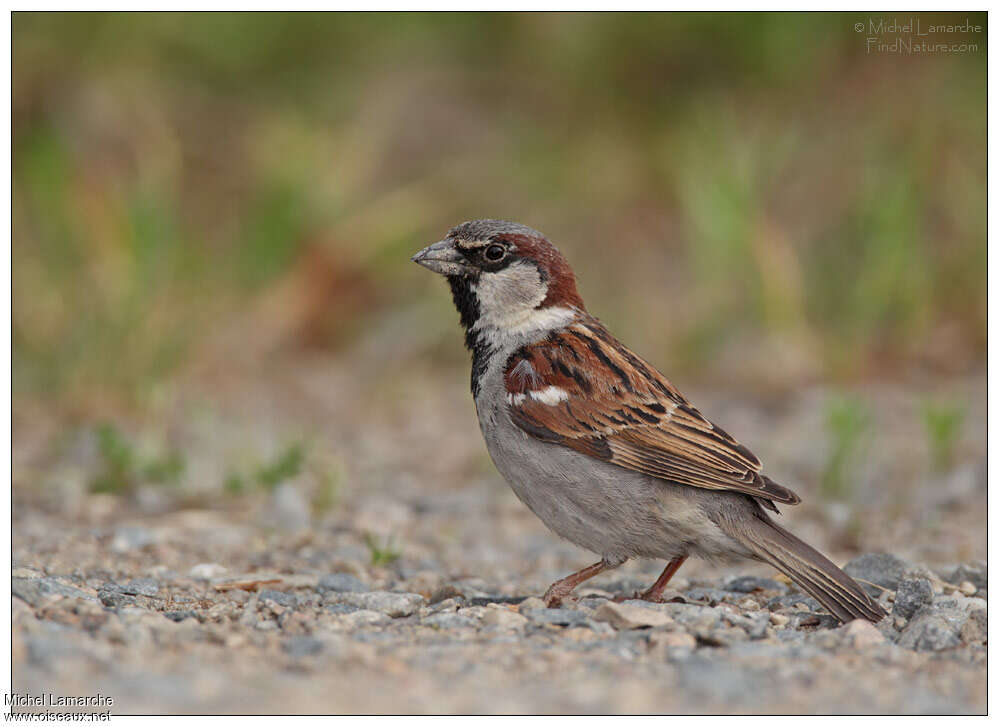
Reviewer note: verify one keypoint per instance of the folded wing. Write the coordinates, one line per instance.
(583, 389)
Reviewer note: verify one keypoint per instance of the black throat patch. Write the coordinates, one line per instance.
(468, 308)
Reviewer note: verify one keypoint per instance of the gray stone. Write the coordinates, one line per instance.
(178, 616)
(556, 616)
(711, 596)
(448, 620)
(140, 587)
(298, 646)
(793, 600)
(111, 596)
(693, 614)
(35, 591)
(975, 629)
(882, 569)
(911, 595)
(748, 584)
(341, 583)
(631, 615)
(931, 632)
(340, 608)
(977, 573)
(288, 600)
(391, 604)
(804, 619)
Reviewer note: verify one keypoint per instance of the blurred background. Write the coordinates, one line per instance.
(214, 214)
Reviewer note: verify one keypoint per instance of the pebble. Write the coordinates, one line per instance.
(882, 569)
(448, 620)
(976, 629)
(503, 618)
(35, 591)
(976, 573)
(531, 604)
(631, 616)
(395, 605)
(861, 634)
(912, 594)
(140, 587)
(341, 583)
(298, 646)
(286, 600)
(672, 640)
(748, 584)
(930, 632)
(778, 619)
(557, 616)
(364, 617)
(968, 588)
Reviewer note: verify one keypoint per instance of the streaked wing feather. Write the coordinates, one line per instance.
(629, 414)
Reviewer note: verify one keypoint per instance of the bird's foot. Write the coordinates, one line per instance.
(556, 596)
(650, 595)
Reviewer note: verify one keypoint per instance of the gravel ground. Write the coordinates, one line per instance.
(416, 591)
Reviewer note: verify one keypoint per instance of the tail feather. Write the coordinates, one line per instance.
(807, 567)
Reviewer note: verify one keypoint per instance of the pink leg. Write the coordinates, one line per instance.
(655, 592)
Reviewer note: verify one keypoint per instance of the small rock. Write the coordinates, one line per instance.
(178, 616)
(882, 569)
(446, 620)
(206, 571)
(395, 605)
(531, 604)
(748, 584)
(861, 634)
(631, 616)
(364, 617)
(930, 632)
(35, 591)
(556, 616)
(341, 583)
(341, 608)
(778, 619)
(793, 600)
(976, 629)
(503, 618)
(672, 640)
(977, 573)
(129, 538)
(749, 604)
(968, 588)
(141, 587)
(804, 619)
(286, 600)
(298, 646)
(911, 595)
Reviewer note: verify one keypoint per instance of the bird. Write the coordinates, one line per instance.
(596, 442)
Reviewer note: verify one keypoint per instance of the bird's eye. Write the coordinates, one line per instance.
(495, 252)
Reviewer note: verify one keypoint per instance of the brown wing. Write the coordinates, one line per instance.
(581, 388)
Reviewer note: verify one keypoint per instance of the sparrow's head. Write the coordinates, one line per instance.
(504, 276)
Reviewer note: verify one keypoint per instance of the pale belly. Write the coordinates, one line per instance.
(601, 507)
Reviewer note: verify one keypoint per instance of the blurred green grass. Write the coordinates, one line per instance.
(730, 188)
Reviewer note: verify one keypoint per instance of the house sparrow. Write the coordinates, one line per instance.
(598, 443)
